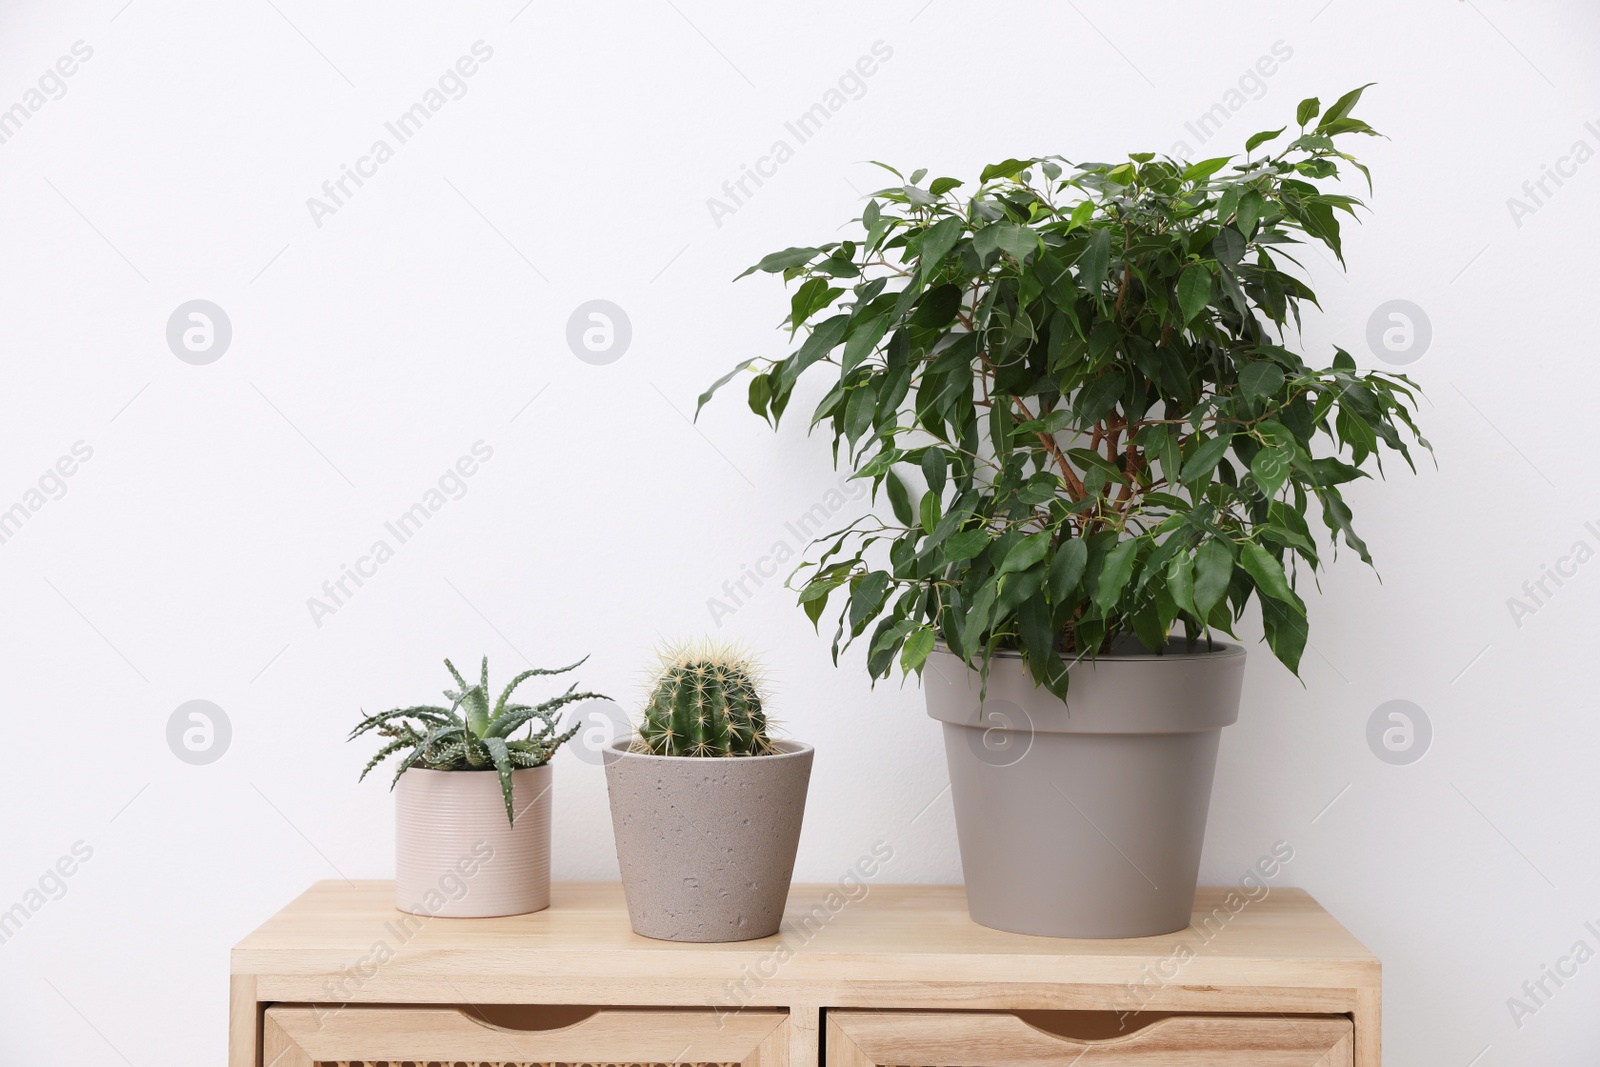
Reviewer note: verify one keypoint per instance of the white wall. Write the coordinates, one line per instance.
(369, 352)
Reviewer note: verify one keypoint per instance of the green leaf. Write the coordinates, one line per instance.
(1343, 106)
(1355, 432)
(1017, 589)
(1025, 553)
(1114, 574)
(1213, 568)
(934, 467)
(1180, 581)
(837, 266)
(1012, 238)
(1288, 538)
(859, 410)
(1228, 247)
(1267, 572)
(1269, 469)
(918, 644)
(718, 384)
(782, 261)
(937, 307)
(1038, 635)
(930, 513)
(502, 765)
(1095, 401)
(815, 608)
(824, 338)
(1249, 212)
(1338, 126)
(862, 341)
(1089, 460)
(866, 598)
(1317, 168)
(899, 499)
(1194, 290)
(977, 620)
(760, 395)
(1307, 110)
(877, 226)
(1166, 500)
(1066, 568)
(1200, 462)
(1260, 379)
(937, 241)
(1259, 139)
(813, 295)
(1171, 463)
(1008, 168)
(1199, 172)
(1284, 627)
(1051, 422)
(940, 186)
(1095, 262)
(966, 544)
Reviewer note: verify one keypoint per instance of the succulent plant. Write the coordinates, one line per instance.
(706, 701)
(472, 735)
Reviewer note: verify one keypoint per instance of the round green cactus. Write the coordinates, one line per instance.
(705, 702)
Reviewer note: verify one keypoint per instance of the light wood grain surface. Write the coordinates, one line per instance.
(891, 948)
(928, 1039)
(897, 933)
(450, 1034)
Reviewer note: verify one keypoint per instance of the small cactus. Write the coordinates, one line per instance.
(705, 702)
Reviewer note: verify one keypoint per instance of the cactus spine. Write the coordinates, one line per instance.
(705, 702)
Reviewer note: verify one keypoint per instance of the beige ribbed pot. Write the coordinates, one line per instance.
(458, 857)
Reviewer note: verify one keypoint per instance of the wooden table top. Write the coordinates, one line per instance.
(886, 933)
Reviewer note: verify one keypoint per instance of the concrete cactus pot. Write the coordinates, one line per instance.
(1085, 818)
(707, 843)
(457, 856)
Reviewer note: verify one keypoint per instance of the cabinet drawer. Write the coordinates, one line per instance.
(1001, 1039)
(499, 1036)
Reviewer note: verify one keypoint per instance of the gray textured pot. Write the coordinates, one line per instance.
(1085, 818)
(707, 844)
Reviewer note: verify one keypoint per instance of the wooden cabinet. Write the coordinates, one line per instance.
(486, 1037)
(1003, 1039)
(861, 975)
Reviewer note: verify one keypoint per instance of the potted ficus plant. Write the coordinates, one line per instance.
(705, 804)
(473, 799)
(1075, 385)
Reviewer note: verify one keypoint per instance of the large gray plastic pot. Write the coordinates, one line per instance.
(1085, 818)
(707, 843)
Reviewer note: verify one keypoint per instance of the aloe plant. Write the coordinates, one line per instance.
(473, 735)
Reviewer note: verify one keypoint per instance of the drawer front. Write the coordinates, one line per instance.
(333, 1036)
(1000, 1039)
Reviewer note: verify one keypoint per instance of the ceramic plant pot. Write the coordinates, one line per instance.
(457, 856)
(1085, 818)
(707, 843)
